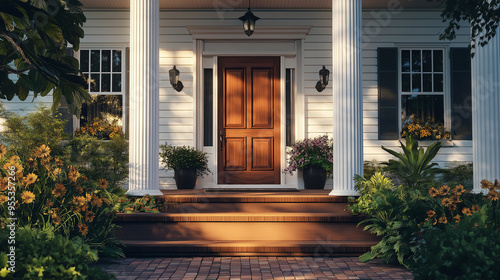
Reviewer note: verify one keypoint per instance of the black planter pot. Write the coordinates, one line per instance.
(185, 178)
(314, 177)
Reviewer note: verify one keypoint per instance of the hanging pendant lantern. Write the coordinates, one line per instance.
(249, 20)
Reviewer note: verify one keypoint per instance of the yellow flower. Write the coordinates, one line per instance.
(57, 171)
(83, 229)
(446, 202)
(14, 159)
(455, 199)
(467, 211)
(433, 192)
(458, 190)
(27, 197)
(438, 137)
(444, 190)
(3, 198)
(43, 151)
(79, 200)
(103, 183)
(59, 190)
(3, 150)
(443, 220)
(424, 133)
(485, 184)
(493, 195)
(30, 179)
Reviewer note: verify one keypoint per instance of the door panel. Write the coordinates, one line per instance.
(249, 120)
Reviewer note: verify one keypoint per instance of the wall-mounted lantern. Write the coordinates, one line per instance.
(174, 79)
(324, 76)
(249, 20)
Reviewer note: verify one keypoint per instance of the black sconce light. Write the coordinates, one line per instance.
(324, 76)
(174, 79)
(249, 20)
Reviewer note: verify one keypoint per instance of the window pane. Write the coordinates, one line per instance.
(438, 61)
(415, 59)
(423, 107)
(95, 82)
(427, 83)
(416, 82)
(427, 60)
(117, 82)
(106, 83)
(438, 82)
(84, 61)
(289, 107)
(106, 61)
(405, 61)
(95, 61)
(406, 83)
(117, 61)
(208, 109)
(104, 107)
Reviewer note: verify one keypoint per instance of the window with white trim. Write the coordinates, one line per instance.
(422, 86)
(104, 70)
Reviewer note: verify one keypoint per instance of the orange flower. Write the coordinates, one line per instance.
(446, 202)
(73, 175)
(56, 219)
(496, 185)
(103, 183)
(27, 197)
(96, 201)
(59, 190)
(433, 192)
(493, 195)
(444, 190)
(476, 208)
(83, 229)
(431, 213)
(467, 211)
(457, 218)
(57, 171)
(3, 198)
(79, 189)
(79, 200)
(59, 162)
(31, 162)
(3, 150)
(455, 199)
(14, 159)
(443, 220)
(89, 217)
(458, 190)
(485, 184)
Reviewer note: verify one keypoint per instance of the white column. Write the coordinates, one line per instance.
(144, 98)
(486, 112)
(347, 95)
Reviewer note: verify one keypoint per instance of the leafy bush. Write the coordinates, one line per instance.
(414, 165)
(458, 173)
(145, 203)
(101, 129)
(184, 158)
(372, 167)
(368, 190)
(43, 254)
(469, 249)
(317, 151)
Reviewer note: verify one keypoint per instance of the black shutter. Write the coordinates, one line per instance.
(387, 73)
(461, 94)
(63, 108)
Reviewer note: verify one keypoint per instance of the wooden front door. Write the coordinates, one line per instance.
(249, 120)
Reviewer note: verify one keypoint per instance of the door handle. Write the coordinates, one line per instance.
(221, 139)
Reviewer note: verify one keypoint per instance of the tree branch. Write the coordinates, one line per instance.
(18, 48)
(14, 71)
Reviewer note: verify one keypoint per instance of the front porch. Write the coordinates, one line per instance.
(254, 223)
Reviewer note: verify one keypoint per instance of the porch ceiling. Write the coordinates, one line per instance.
(257, 4)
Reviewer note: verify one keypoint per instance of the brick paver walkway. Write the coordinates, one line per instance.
(253, 268)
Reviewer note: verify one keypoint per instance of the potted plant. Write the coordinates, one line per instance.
(315, 158)
(187, 163)
(421, 129)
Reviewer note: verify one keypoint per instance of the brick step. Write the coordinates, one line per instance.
(257, 207)
(237, 217)
(250, 231)
(318, 248)
(201, 196)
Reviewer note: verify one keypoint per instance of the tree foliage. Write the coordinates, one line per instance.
(34, 35)
(482, 15)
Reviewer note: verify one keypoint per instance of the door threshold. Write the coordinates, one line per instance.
(250, 190)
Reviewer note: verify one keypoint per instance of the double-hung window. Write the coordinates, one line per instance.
(422, 85)
(104, 70)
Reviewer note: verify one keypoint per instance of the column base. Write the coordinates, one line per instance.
(344, 193)
(143, 192)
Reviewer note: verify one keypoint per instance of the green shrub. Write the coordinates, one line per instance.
(43, 254)
(368, 190)
(458, 173)
(184, 158)
(413, 166)
(466, 250)
(372, 167)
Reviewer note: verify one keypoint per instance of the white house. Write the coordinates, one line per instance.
(244, 98)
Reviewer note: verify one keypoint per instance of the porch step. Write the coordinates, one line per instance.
(242, 224)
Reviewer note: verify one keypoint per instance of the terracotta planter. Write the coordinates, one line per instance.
(185, 178)
(314, 177)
